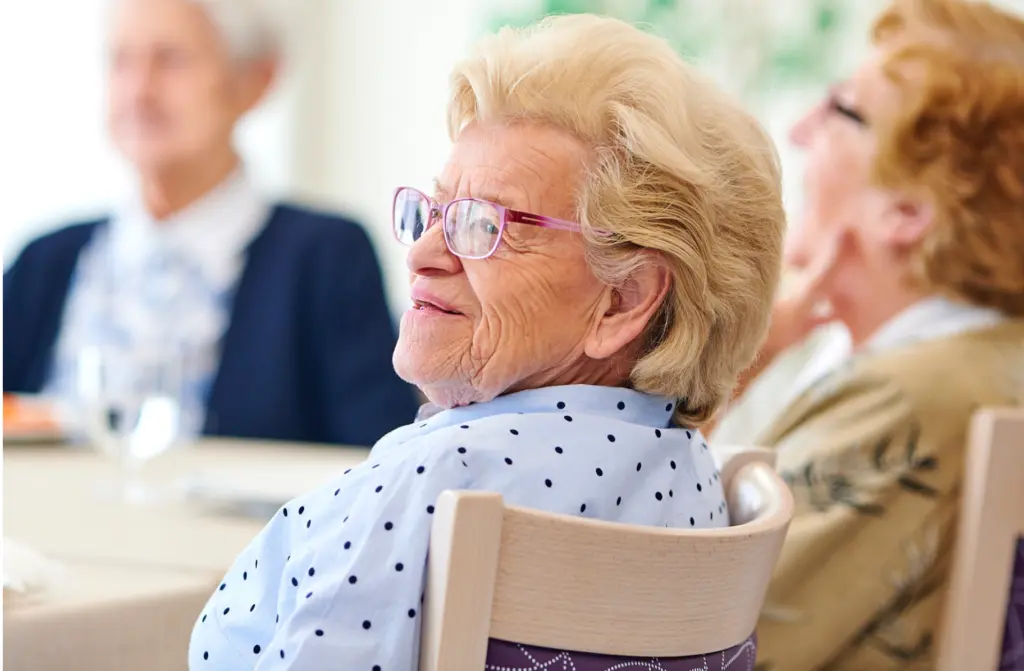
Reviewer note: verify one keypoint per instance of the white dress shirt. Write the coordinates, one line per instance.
(142, 281)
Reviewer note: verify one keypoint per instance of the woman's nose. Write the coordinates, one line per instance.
(429, 255)
(802, 131)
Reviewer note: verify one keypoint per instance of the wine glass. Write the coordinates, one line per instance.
(131, 400)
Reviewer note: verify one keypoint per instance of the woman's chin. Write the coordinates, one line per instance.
(417, 360)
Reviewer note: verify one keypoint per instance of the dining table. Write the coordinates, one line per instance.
(126, 578)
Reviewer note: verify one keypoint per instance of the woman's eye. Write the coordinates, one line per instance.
(486, 226)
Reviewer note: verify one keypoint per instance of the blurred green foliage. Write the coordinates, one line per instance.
(777, 51)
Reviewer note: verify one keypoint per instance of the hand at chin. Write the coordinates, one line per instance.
(807, 298)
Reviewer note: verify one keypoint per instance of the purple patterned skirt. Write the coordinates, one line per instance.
(504, 656)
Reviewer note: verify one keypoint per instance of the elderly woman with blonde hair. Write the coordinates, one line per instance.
(590, 272)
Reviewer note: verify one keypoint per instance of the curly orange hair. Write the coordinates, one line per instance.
(958, 140)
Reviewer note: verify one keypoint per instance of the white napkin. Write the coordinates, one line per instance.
(25, 569)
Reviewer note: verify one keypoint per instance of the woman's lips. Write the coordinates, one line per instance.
(422, 300)
(427, 306)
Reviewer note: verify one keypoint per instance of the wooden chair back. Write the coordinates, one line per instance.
(988, 544)
(563, 582)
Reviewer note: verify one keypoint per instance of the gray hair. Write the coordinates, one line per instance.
(250, 28)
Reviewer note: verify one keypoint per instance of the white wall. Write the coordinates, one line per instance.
(371, 110)
(54, 158)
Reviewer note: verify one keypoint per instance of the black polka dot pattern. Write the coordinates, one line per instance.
(613, 453)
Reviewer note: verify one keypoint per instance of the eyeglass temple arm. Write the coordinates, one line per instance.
(515, 216)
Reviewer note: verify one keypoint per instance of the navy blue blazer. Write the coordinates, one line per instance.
(306, 355)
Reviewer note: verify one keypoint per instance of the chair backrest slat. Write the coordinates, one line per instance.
(991, 524)
(586, 585)
(628, 590)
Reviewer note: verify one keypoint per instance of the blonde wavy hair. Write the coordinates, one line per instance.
(958, 139)
(678, 169)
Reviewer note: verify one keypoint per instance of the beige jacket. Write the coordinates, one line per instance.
(874, 454)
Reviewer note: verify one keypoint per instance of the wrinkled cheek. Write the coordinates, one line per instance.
(492, 350)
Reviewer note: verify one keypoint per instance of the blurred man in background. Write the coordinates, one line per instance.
(279, 310)
(913, 232)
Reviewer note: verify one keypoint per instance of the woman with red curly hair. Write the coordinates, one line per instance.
(913, 232)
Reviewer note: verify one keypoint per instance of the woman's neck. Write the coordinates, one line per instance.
(874, 309)
(168, 190)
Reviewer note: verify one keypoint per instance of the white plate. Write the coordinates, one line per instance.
(254, 491)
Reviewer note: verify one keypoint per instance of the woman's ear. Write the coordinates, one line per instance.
(630, 309)
(907, 221)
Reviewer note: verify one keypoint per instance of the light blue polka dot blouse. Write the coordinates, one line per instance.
(335, 580)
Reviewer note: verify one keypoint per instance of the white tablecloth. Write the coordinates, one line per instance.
(133, 578)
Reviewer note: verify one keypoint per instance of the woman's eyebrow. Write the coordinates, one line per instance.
(443, 195)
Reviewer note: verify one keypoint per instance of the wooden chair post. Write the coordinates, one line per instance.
(465, 541)
(991, 522)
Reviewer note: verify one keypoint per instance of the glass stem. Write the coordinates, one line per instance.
(131, 485)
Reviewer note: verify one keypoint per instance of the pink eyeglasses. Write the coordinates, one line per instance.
(472, 227)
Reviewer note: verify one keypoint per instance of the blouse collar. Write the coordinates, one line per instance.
(613, 403)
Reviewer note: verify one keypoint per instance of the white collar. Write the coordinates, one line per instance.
(930, 318)
(213, 231)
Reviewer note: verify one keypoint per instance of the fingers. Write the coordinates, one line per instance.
(809, 286)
